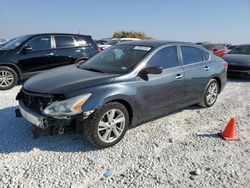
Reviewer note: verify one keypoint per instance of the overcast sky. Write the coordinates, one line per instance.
(183, 20)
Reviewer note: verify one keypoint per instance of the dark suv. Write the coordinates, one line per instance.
(127, 84)
(30, 54)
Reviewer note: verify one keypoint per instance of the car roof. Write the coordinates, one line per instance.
(128, 39)
(154, 43)
(37, 34)
(243, 45)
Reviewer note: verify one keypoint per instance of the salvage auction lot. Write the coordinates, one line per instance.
(178, 150)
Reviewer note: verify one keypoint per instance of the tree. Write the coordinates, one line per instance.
(130, 34)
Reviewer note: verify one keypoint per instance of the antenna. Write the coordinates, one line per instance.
(79, 31)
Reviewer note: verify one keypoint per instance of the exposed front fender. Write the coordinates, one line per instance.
(107, 93)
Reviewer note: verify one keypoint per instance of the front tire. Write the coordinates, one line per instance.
(107, 126)
(211, 94)
(8, 78)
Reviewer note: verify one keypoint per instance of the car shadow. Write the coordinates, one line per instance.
(237, 79)
(16, 136)
(209, 135)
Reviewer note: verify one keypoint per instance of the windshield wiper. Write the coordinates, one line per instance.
(92, 69)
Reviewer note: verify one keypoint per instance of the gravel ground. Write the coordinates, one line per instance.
(179, 150)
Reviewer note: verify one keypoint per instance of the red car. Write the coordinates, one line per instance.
(217, 49)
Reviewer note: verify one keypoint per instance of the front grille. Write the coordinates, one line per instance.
(35, 102)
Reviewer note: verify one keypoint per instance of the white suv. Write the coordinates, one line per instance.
(115, 41)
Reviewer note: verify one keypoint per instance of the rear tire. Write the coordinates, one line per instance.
(8, 78)
(211, 94)
(107, 126)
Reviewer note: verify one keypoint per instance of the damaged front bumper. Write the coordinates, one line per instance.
(45, 122)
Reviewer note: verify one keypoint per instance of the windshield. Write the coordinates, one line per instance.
(112, 42)
(117, 59)
(241, 50)
(14, 43)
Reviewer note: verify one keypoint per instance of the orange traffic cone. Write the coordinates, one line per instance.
(229, 131)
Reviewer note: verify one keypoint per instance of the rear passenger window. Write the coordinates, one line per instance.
(191, 55)
(206, 56)
(165, 58)
(64, 41)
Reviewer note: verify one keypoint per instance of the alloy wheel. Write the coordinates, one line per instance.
(6, 78)
(212, 93)
(111, 125)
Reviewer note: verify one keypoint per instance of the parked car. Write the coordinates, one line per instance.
(239, 61)
(28, 55)
(3, 41)
(6, 42)
(199, 43)
(229, 48)
(129, 83)
(217, 49)
(116, 41)
(101, 42)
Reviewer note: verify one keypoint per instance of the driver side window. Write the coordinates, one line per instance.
(40, 43)
(164, 58)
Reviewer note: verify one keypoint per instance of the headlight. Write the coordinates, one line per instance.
(67, 107)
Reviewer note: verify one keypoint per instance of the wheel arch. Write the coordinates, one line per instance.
(127, 105)
(219, 82)
(81, 59)
(12, 66)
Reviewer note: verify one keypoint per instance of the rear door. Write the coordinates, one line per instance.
(196, 72)
(162, 92)
(64, 49)
(69, 48)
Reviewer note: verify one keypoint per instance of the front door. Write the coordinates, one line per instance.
(162, 92)
(40, 56)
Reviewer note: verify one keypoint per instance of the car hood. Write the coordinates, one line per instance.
(237, 59)
(66, 79)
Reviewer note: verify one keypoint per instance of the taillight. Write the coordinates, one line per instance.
(98, 49)
(225, 64)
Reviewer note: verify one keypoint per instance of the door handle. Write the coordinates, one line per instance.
(178, 76)
(50, 54)
(206, 68)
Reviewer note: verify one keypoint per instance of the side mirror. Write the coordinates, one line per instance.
(27, 49)
(152, 70)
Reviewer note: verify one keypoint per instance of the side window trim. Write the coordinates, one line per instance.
(179, 55)
(33, 38)
(53, 42)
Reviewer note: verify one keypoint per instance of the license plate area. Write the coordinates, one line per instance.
(36, 120)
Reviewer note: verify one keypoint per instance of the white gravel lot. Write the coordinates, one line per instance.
(179, 150)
